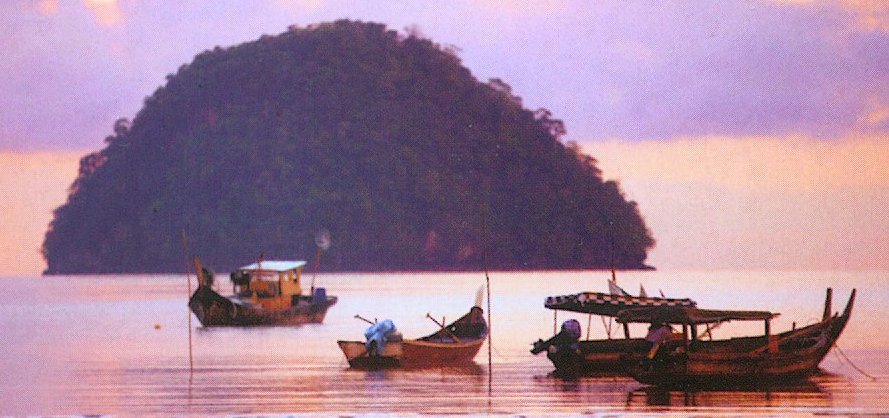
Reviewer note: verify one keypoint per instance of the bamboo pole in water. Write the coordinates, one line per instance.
(188, 279)
(488, 286)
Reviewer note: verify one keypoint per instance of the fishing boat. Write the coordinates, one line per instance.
(263, 293)
(694, 361)
(572, 356)
(455, 344)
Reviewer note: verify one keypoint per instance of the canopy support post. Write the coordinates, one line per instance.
(555, 320)
(771, 340)
(685, 335)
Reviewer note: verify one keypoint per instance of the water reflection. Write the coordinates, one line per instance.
(470, 369)
(808, 393)
(110, 361)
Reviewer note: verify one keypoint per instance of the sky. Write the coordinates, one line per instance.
(753, 134)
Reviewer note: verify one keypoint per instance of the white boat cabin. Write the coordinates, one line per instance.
(271, 284)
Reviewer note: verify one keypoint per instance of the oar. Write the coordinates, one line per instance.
(709, 331)
(364, 319)
(653, 351)
(365, 352)
(457, 339)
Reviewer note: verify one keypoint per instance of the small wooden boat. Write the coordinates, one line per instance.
(453, 345)
(695, 362)
(597, 357)
(264, 293)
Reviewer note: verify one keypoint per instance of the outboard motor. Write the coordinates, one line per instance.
(566, 338)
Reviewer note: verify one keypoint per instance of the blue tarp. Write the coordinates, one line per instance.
(377, 334)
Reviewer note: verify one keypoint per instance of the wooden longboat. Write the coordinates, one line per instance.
(736, 362)
(264, 293)
(454, 345)
(601, 356)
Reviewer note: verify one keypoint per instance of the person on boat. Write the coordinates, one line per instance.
(658, 333)
(474, 326)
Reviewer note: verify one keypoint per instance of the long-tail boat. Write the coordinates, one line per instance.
(573, 357)
(263, 293)
(455, 344)
(696, 362)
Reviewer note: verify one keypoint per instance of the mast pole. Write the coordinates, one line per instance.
(315, 272)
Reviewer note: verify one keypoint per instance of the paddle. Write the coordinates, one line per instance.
(456, 339)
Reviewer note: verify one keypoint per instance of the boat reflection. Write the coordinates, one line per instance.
(469, 369)
(810, 393)
(420, 388)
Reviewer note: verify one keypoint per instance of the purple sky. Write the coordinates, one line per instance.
(610, 70)
(753, 134)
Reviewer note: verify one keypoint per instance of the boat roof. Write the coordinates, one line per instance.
(689, 315)
(607, 304)
(273, 265)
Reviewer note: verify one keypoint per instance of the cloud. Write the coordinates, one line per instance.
(630, 70)
(870, 14)
(48, 7)
(299, 6)
(661, 70)
(523, 8)
(770, 71)
(876, 119)
(106, 12)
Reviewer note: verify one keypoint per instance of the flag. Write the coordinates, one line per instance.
(614, 289)
(479, 296)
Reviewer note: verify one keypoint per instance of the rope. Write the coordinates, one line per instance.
(500, 355)
(840, 350)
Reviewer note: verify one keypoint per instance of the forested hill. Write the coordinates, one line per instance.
(381, 138)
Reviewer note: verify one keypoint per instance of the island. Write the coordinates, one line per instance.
(379, 137)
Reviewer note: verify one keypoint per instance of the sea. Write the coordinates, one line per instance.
(126, 345)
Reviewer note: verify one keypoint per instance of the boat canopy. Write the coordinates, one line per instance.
(277, 266)
(689, 315)
(607, 304)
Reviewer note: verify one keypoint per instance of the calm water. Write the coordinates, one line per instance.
(119, 345)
